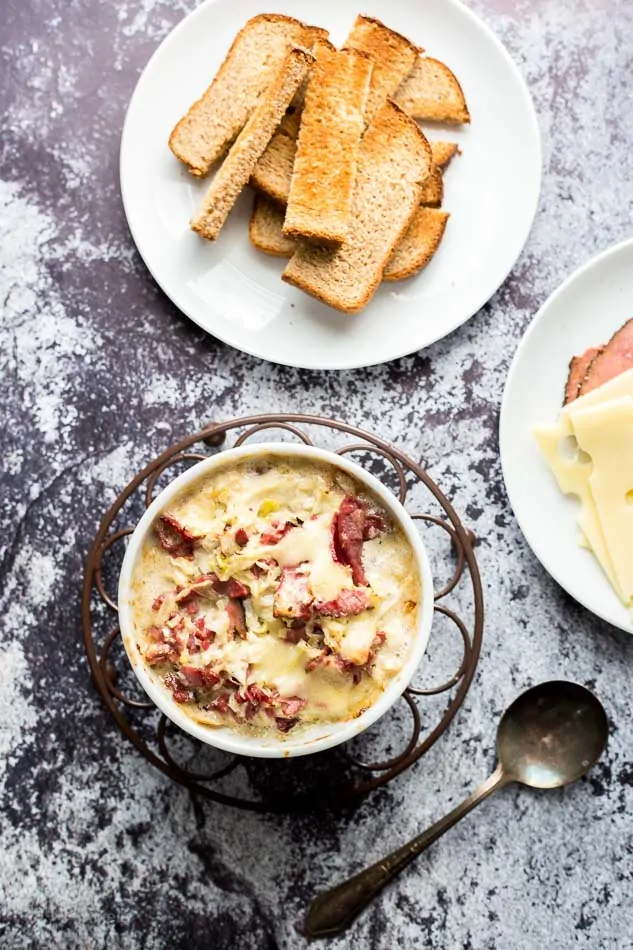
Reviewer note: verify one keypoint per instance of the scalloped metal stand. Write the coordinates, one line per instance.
(330, 778)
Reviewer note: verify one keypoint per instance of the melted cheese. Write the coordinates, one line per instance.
(353, 639)
(311, 543)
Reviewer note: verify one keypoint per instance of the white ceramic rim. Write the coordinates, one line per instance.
(224, 737)
(352, 363)
(541, 554)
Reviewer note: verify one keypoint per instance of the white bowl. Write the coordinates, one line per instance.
(312, 738)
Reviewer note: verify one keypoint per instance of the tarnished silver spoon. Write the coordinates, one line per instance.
(550, 736)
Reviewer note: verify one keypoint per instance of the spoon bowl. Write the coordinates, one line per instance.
(551, 735)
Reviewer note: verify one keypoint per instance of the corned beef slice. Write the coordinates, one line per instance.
(353, 524)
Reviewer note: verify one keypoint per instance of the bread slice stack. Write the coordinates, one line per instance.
(348, 189)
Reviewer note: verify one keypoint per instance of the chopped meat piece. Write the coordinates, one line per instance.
(207, 636)
(348, 528)
(377, 642)
(205, 679)
(317, 660)
(614, 358)
(192, 644)
(290, 707)
(374, 526)
(155, 634)
(236, 590)
(295, 633)
(293, 597)
(175, 538)
(277, 532)
(258, 569)
(220, 703)
(192, 607)
(285, 725)
(175, 623)
(348, 603)
(178, 690)
(231, 588)
(241, 537)
(256, 695)
(577, 372)
(237, 618)
(159, 653)
(345, 666)
(158, 602)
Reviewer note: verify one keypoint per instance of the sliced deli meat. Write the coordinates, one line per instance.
(612, 359)
(578, 367)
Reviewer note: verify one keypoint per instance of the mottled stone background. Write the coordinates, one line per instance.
(99, 371)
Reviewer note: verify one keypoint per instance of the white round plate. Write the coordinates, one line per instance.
(235, 292)
(585, 311)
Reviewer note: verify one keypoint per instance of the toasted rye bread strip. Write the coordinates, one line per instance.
(332, 123)
(236, 169)
(212, 123)
(394, 57)
(394, 161)
(273, 172)
(431, 92)
(443, 152)
(266, 228)
(414, 251)
(418, 245)
(433, 189)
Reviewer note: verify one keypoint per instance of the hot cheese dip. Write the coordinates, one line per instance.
(275, 593)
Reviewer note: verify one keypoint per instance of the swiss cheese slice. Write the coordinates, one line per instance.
(605, 432)
(573, 471)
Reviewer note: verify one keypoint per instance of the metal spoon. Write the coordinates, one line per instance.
(550, 736)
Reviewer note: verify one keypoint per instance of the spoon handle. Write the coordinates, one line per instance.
(334, 910)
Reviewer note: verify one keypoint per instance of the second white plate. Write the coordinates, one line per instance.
(585, 311)
(236, 293)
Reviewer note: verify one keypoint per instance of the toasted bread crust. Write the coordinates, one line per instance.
(211, 142)
(393, 54)
(444, 152)
(418, 245)
(432, 92)
(395, 154)
(433, 189)
(265, 229)
(273, 172)
(251, 142)
(324, 174)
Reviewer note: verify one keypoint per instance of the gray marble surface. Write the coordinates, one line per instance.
(100, 372)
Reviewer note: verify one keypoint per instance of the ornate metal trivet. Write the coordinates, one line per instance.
(347, 772)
